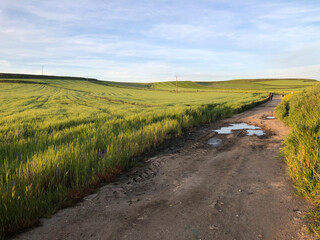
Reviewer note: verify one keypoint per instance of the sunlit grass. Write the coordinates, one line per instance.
(302, 147)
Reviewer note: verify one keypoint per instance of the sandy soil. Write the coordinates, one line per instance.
(239, 190)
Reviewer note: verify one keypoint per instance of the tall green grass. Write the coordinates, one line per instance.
(302, 147)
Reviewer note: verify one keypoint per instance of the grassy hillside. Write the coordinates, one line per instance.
(255, 85)
(130, 84)
(182, 86)
(262, 84)
(245, 85)
(40, 77)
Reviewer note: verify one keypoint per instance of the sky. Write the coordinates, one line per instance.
(149, 41)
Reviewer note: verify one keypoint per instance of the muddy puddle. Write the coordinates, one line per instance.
(255, 132)
(214, 142)
(268, 117)
(250, 129)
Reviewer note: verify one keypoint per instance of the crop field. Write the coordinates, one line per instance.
(60, 138)
(243, 85)
(275, 85)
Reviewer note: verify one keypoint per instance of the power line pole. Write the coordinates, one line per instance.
(42, 70)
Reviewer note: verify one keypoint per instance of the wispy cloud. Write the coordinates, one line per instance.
(154, 40)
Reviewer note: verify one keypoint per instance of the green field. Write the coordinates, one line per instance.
(244, 85)
(275, 85)
(61, 137)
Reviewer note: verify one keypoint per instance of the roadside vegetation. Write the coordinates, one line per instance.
(302, 147)
(61, 138)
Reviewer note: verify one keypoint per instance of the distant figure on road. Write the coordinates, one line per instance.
(270, 95)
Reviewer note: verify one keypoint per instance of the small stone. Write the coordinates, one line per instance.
(237, 215)
(142, 217)
(214, 204)
(149, 172)
(135, 200)
(260, 236)
(144, 175)
(133, 171)
(119, 194)
(213, 227)
(151, 159)
(137, 179)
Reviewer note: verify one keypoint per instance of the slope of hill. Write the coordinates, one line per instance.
(261, 84)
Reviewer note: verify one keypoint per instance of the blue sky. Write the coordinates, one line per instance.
(147, 41)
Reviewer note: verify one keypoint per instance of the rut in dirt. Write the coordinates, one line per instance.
(237, 188)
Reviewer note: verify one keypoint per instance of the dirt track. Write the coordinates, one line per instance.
(240, 190)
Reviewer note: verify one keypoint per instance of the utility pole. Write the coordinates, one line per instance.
(176, 83)
(42, 70)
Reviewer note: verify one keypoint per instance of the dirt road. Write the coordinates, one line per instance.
(239, 190)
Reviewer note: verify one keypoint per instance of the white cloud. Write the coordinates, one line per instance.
(143, 40)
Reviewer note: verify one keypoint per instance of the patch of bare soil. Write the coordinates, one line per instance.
(238, 190)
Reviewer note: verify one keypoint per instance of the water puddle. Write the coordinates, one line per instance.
(214, 142)
(251, 129)
(270, 117)
(255, 132)
(235, 126)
